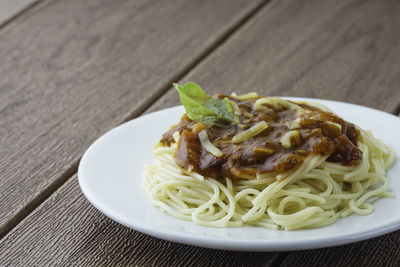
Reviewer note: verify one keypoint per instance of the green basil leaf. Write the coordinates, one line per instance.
(219, 108)
(193, 99)
(213, 120)
(194, 92)
(228, 105)
(203, 108)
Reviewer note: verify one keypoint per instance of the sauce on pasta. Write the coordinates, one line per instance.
(290, 135)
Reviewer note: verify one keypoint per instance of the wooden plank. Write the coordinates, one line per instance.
(295, 31)
(381, 251)
(70, 70)
(340, 50)
(11, 8)
(68, 231)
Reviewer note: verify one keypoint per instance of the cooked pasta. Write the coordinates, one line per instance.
(313, 192)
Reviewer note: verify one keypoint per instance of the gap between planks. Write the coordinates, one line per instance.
(64, 177)
(397, 109)
(19, 13)
(278, 259)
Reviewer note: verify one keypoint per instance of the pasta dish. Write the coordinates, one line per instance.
(264, 161)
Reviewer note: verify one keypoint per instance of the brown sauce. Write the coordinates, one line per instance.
(264, 152)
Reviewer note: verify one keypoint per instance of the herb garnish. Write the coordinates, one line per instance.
(203, 108)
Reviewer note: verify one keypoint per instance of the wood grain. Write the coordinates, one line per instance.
(345, 50)
(340, 50)
(71, 70)
(11, 8)
(71, 232)
(380, 251)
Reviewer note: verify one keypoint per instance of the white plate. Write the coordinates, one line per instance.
(110, 176)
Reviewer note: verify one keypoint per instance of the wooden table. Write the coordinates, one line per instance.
(71, 70)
